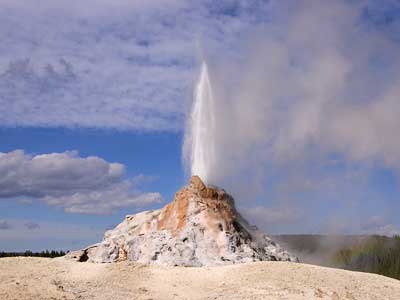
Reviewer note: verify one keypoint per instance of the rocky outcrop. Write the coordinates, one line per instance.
(200, 227)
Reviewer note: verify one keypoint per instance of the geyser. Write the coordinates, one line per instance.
(200, 227)
(203, 128)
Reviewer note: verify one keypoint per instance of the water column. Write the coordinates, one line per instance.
(203, 127)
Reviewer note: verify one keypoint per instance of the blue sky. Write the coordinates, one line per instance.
(95, 97)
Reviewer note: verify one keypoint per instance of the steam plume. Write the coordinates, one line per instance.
(311, 105)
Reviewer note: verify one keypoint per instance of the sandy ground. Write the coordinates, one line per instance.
(41, 279)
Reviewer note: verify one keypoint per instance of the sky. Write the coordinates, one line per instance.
(95, 100)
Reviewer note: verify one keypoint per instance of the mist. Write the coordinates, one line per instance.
(309, 103)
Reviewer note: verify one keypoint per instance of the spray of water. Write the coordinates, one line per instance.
(203, 128)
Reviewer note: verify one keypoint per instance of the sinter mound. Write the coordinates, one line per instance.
(200, 227)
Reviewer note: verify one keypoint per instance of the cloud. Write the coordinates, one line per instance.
(47, 235)
(124, 65)
(365, 225)
(378, 224)
(4, 225)
(25, 200)
(104, 201)
(78, 185)
(32, 225)
(265, 217)
(388, 230)
(54, 173)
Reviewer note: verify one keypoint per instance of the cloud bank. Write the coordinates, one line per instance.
(32, 225)
(78, 185)
(47, 235)
(4, 225)
(127, 65)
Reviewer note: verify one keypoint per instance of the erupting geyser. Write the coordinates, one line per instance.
(203, 127)
(201, 226)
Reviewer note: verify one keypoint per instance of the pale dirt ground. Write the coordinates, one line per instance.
(42, 279)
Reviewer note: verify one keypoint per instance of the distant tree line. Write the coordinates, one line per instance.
(47, 253)
(364, 253)
(380, 255)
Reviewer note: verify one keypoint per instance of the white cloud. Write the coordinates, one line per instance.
(108, 64)
(54, 173)
(32, 225)
(47, 229)
(388, 230)
(264, 216)
(378, 224)
(78, 185)
(4, 225)
(360, 222)
(42, 235)
(104, 201)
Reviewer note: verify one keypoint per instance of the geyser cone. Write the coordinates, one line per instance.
(200, 227)
(203, 127)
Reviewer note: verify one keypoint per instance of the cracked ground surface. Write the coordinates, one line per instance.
(52, 279)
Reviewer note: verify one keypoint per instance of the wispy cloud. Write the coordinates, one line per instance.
(378, 224)
(269, 217)
(4, 225)
(76, 184)
(124, 65)
(32, 225)
(47, 235)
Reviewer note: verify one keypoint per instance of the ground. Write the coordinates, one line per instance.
(49, 279)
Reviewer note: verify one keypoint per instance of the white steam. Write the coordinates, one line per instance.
(315, 87)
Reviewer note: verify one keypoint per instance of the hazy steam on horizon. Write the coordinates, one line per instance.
(314, 89)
